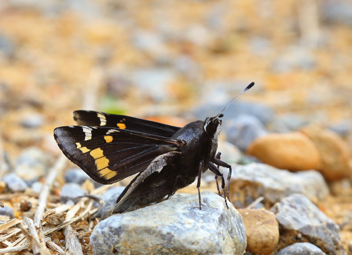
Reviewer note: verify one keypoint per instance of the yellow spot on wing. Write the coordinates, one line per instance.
(107, 173)
(78, 145)
(101, 163)
(110, 175)
(97, 153)
(84, 149)
(121, 125)
(108, 138)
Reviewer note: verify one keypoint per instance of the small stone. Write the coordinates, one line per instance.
(229, 153)
(342, 128)
(75, 175)
(149, 42)
(333, 152)
(241, 131)
(262, 230)
(153, 83)
(7, 47)
(32, 164)
(110, 198)
(37, 187)
(25, 206)
(174, 226)
(301, 249)
(33, 120)
(14, 183)
(292, 151)
(260, 46)
(298, 216)
(337, 11)
(292, 58)
(7, 211)
(254, 180)
(70, 191)
(288, 123)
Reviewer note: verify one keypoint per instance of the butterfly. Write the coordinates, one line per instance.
(164, 158)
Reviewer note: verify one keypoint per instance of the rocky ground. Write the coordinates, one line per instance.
(174, 62)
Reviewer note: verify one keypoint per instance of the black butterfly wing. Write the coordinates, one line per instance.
(108, 154)
(92, 118)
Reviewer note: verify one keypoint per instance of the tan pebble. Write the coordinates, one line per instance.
(262, 230)
(292, 151)
(333, 152)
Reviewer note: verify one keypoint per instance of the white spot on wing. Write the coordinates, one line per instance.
(88, 133)
(110, 131)
(102, 119)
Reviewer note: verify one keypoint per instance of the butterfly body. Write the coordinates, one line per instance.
(164, 158)
(108, 151)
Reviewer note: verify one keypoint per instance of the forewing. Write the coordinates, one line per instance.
(92, 118)
(108, 155)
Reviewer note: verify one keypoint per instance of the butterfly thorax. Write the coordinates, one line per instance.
(198, 146)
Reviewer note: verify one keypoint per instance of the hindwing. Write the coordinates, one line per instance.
(92, 118)
(108, 154)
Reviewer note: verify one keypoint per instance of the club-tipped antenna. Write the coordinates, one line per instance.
(247, 88)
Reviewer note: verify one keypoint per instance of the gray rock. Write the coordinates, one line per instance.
(174, 226)
(185, 65)
(301, 249)
(70, 191)
(14, 183)
(150, 42)
(254, 180)
(229, 153)
(288, 123)
(260, 46)
(75, 175)
(110, 198)
(33, 120)
(241, 131)
(300, 217)
(342, 128)
(337, 11)
(7, 48)
(292, 58)
(198, 34)
(263, 113)
(32, 164)
(153, 83)
(37, 187)
(7, 211)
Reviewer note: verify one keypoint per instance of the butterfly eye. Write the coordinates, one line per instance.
(221, 115)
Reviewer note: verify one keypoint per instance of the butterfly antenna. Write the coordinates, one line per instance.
(247, 88)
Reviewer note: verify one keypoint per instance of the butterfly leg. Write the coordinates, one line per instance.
(216, 171)
(217, 184)
(216, 176)
(200, 169)
(219, 162)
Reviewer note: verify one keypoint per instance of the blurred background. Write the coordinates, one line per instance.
(172, 61)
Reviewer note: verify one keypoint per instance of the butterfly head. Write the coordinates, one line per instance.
(212, 125)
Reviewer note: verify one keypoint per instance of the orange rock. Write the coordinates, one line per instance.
(262, 230)
(292, 151)
(333, 152)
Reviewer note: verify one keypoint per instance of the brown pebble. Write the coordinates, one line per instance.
(262, 230)
(25, 206)
(333, 152)
(292, 151)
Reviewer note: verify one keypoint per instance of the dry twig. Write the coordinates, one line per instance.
(59, 165)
